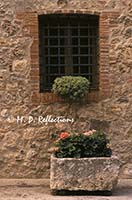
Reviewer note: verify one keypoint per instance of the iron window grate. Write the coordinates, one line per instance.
(68, 46)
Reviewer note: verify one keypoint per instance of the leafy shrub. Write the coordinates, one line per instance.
(90, 144)
(72, 88)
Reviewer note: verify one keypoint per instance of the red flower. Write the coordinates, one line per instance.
(64, 135)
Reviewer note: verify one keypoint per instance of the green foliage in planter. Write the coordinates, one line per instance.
(81, 146)
(72, 88)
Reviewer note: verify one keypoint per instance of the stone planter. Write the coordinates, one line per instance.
(84, 174)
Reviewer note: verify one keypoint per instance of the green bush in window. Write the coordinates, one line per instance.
(72, 88)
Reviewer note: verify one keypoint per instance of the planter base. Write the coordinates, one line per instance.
(80, 193)
(84, 174)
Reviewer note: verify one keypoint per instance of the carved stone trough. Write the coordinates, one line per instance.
(84, 174)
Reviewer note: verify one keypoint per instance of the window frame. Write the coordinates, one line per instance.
(106, 21)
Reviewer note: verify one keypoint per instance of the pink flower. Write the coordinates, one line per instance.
(88, 133)
(91, 132)
(64, 135)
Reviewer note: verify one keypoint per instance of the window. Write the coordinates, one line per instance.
(68, 46)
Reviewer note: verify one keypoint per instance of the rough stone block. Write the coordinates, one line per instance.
(89, 174)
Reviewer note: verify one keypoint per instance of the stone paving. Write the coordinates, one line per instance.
(36, 191)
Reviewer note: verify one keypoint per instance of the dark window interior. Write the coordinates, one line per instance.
(68, 45)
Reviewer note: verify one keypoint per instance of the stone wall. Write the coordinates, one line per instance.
(25, 147)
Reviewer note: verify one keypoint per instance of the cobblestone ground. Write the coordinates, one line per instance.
(123, 192)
